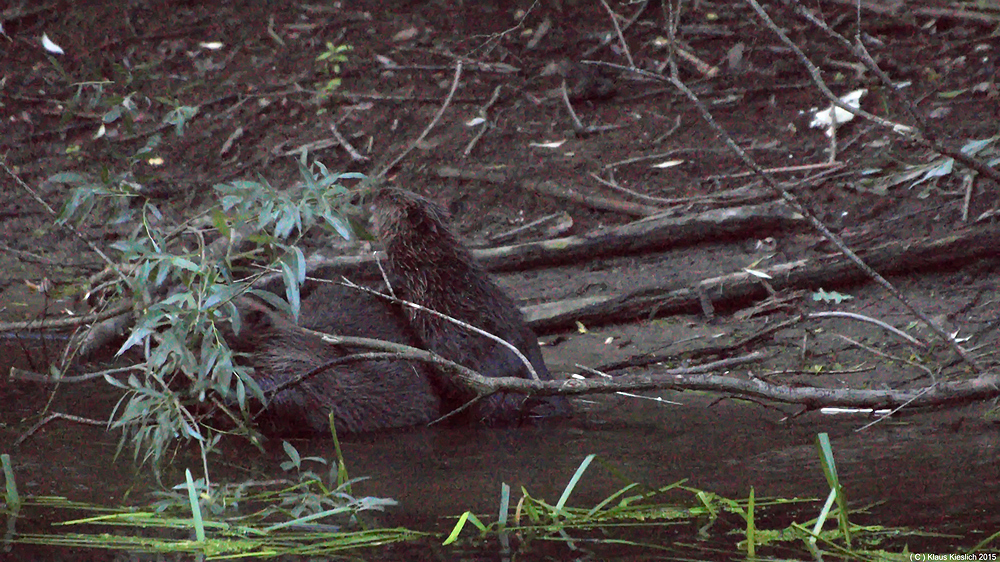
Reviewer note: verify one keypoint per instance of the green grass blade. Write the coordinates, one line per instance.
(502, 535)
(12, 498)
(594, 510)
(824, 514)
(467, 517)
(308, 518)
(504, 505)
(199, 524)
(830, 471)
(342, 477)
(573, 481)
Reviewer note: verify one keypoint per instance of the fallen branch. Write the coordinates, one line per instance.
(897, 257)
(982, 387)
(942, 393)
(646, 235)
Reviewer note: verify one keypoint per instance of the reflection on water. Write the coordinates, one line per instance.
(935, 471)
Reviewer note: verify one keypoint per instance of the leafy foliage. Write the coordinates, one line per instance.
(308, 497)
(830, 296)
(331, 60)
(183, 289)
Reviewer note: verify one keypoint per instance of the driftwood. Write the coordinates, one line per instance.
(653, 233)
(647, 235)
(730, 290)
(941, 393)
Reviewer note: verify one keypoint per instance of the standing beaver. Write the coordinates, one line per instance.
(428, 266)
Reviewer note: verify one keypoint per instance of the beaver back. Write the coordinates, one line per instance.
(364, 395)
(431, 267)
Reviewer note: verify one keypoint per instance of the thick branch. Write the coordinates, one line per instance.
(943, 393)
(647, 235)
(897, 257)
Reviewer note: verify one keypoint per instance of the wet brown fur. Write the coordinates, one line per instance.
(429, 266)
(365, 395)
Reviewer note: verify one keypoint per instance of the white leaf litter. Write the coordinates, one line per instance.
(475, 121)
(668, 164)
(825, 119)
(553, 144)
(50, 46)
(386, 61)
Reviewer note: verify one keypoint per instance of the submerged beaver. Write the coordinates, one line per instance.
(427, 265)
(363, 395)
(430, 267)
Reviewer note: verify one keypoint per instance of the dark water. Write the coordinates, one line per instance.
(934, 471)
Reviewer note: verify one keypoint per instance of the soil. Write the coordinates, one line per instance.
(504, 153)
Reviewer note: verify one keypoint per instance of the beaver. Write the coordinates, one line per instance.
(429, 266)
(363, 395)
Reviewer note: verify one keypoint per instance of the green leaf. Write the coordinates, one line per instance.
(297, 262)
(139, 334)
(975, 147)
(951, 94)
(184, 263)
(179, 117)
(272, 299)
(573, 481)
(113, 114)
(291, 289)
(289, 218)
(72, 178)
(292, 453)
(219, 293)
(468, 516)
(342, 227)
(822, 295)
(221, 223)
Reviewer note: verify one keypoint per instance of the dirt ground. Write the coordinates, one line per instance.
(505, 152)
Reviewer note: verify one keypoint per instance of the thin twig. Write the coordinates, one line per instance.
(788, 197)
(927, 138)
(531, 370)
(669, 132)
(62, 323)
(514, 232)
(896, 409)
(430, 126)
(593, 371)
(793, 201)
(17, 179)
(607, 39)
(826, 166)
(618, 30)
(486, 122)
(888, 356)
(569, 107)
(53, 417)
(354, 154)
(21, 374)
(898, 128)
(647, 198)
(862, 318)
